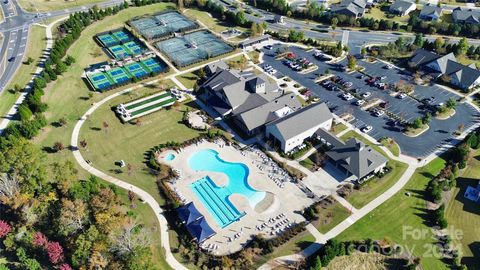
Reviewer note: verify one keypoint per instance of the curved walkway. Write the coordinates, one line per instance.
(164, 237)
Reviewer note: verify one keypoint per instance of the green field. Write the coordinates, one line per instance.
(391, 145)
(330, 217)
(464, 215)
(36, 45)
(210, 22)
(48, 5)
(403, 213)
(188, 79)
(375, 186)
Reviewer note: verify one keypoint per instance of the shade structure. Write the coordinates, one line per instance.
(200, 230)
(188, 213)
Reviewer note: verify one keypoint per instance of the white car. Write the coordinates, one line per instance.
(388, 66)
(366, 94)
(272, 71)
(366, 129)
(359, 102)
(379, 113)
(348, 97)
(402, 95)
(268, 47)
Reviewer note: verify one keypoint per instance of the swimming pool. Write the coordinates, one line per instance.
(169, 157)
(237, 173)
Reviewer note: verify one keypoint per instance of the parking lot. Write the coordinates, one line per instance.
(408, 108)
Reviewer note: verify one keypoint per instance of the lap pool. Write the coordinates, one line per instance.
(216, 199)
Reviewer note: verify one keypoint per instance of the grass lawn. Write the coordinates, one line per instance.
(371, 261)
(307, 163)
(403, 213)
(379, 14)
(210, 22)
(391, 145)
(47, 5)
(330, 217)
(375, 186)
(129, 142)
(188, 79)
(35, 46)
(467, 61)
(296, 244)
(464, 215)
(337, 128)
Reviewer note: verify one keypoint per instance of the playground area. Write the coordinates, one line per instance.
(147, 105)
(120, 44)
(107, 77)
(193, 47)
(162, 24)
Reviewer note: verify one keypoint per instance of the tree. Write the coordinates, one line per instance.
(21, 158)
(352, 63)
(317, 265)
(60, 68)
(419, 40)
(69, 60)
(58, 146)
(9, 187)
(363, 51)
(39, 240)
(73, 216)
(55, 252)
(462, 47)
(24, 112)
(4, 229)
(130, 237)
(83, 144)
(451, 103)
(334, 23)
(438, 44)
(62, 121)
(17, 88)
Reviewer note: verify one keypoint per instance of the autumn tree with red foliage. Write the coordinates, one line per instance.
(4, 228)
(55, 252)
(39, 240)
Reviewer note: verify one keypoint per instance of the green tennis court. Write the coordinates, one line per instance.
(157, 105)
(146, 101)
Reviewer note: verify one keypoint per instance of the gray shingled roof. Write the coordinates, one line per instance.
(401, 6)
(466, 75)
(463, 15)
(265, 113)
(356, 157)
(302, 120)
(352, 6)
(430, 10)
(212, 68)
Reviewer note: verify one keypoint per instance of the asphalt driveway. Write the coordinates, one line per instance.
(440, 131)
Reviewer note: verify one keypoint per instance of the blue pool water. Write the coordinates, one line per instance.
(216, 198)
(170, 157)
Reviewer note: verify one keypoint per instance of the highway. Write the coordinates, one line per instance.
(14, 30)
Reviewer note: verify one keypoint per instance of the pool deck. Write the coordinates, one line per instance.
(288, 200)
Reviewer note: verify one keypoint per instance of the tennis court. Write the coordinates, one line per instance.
(131, 48)
(114, 37)
(100, 81)
(162, 25)
(154, 65)
(105, 80)
(193, 48)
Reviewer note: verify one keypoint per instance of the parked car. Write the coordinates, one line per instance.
(366, 94)
(348, 84)
(366, 129)
(401, 95)
(388, 66)
(268, 47)
(379, 113)
(359, 102)
(11, 59)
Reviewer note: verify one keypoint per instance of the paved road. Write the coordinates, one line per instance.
(15, 30)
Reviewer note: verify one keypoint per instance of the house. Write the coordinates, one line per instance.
(473, 193)
(431, 12)
(467, 16)
(250, 101)
(402, 8)
(291, 131)
(278, 19)
(353, 157)
(195, 222)
(351, 8)
(446, 66)
(211, 68)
